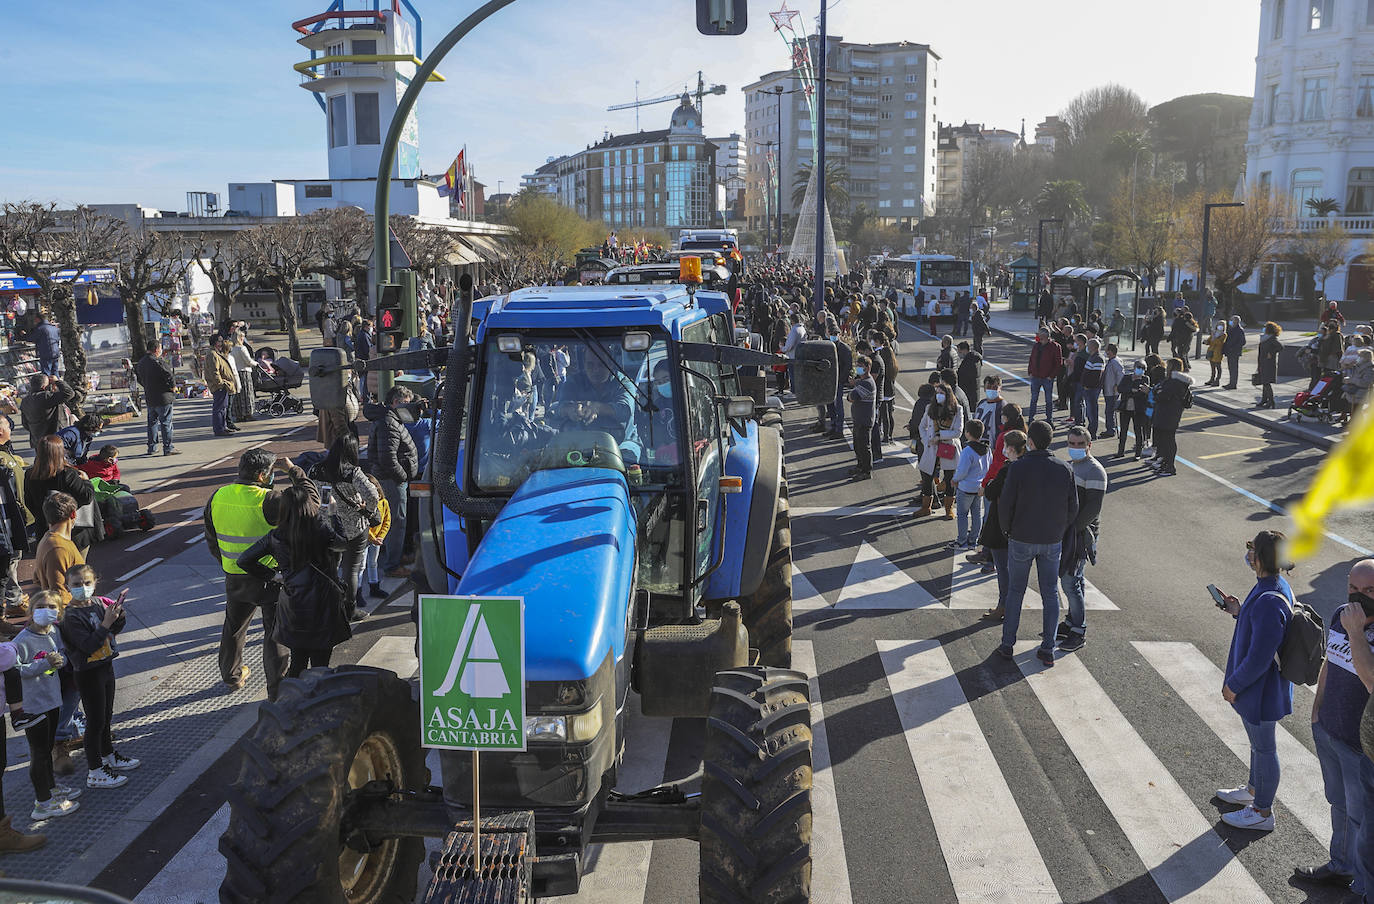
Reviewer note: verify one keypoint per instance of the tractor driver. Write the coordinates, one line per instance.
(596, 399)
(658, 428)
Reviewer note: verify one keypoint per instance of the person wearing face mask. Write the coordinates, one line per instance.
(941, 426)
(1254, 687)
(236, 517)
(1171, 397)
(863, 394)
(887, 390)
(41, 655)
(845, 359)
(1080, 541)
(1112, 372)
(993, 536)
(1132, 397)
(394, 460)
(876, 372)
(1231, 349)
(1343, 691)
(989, 408)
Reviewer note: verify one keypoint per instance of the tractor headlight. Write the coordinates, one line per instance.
(585, 726)
(546, 728)
(573, 728)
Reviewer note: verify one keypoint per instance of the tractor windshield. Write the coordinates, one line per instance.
(576, 401)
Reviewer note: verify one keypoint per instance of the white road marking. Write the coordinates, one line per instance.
(189, 518)
(1228, 454)
(1198, 683)
(196, 871)
(853, 511)
(988, 860)
(971, 589)
(906, 395)
(1187, 859)
(395, 653)
(137, 571)
(193, 540)
(805, 596)
(829, 867)
(153, 505)
(875, 583)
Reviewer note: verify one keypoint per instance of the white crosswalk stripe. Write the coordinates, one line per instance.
(989, 860)
(875, 583)
(1187, 859)
(971, 589)
(829, 868)
(1198, 682)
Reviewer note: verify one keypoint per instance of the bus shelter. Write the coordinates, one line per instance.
(1116, 293)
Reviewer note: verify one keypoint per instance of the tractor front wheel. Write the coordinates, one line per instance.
(767, 612)
(329, 733)
(756, 790)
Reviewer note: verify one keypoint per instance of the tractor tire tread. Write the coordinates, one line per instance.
(767, 612)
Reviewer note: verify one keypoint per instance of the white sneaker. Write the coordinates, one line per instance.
(1249, 818)
(104, 777)
(64, 791)
(54, 806)
(1241, 796)
(121, 763)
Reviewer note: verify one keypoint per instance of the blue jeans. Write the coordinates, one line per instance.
(999, 561)
(1019, 558)
(1109, 402)
(969, 504)
(71, 702)
(1075, 588)
(1037, 384)
(219, 411)
(836, 414)
(48, 366)
(1364, 844)
(1264, 762)
(1341, 766)
(1085, 408)
(397, 495)
(159, 421)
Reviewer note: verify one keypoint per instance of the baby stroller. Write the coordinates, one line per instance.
(1322, 403)
(119, 509)
(275, 378)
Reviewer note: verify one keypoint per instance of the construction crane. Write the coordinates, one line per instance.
(701, 93)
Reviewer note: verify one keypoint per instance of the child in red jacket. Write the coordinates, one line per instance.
(105, 465)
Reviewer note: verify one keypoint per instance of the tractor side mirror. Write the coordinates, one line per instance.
(815, 376)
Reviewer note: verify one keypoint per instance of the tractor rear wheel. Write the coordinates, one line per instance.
(756, 790)
(767, 612)
(328, 733)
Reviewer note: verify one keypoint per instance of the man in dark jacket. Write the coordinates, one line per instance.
(1231, 350)
(1090, 385)
(159, 394)
(845, 359)
(1037, 506)
(888, 388)
(47, 342)
(980, 328)
(394, 461)
(43, 410)
(14, 535)
(970, 374)
(876, 373)
(862, 403)
(1046, 360)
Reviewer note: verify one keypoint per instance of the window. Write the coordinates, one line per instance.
(909, 133)
(884, 203)
(1359, 195)
(910, 149)
(912, 96)
(1266, 181)
(909, 186)
(1307, 185)
(1319, 16)
(319, 191)
(1278, 279)
(909, 168)
(884, 186)
(366, 121)
(887, 98)
(884, 151)
(1279, 10)
(1364, 96)
(338, 121)
(365, 47)
(1271, 112)
(1369, 13)
(885, 115)
(913, 79)
(884, 133)
(884, 169)
(887, 80)
(677, 149)
(908, 202)
(1314, 92)
(691, 152)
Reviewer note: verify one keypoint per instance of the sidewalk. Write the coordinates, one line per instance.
(1239, 403)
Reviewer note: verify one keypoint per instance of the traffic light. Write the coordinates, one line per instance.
(722, 17)
(391, 318)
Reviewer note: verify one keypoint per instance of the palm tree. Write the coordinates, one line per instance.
(836, 185)
(1065, 199)
(1323, 207)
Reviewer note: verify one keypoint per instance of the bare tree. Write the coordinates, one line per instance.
(38, 242)
(428, 247)
(1324, 249)
(1144, 225)
(149, 267)
(277, 255)
(221, 259)
(1241, 238)
(344, 238)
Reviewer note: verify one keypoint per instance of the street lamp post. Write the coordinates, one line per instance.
(820, 162)
(1039, 243)
(767, 201)
(778, 92)
(1206, 229)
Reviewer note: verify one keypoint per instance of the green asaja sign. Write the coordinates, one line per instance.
(472, 672)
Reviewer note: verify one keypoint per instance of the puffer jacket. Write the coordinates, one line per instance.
(1171, 398)
(391, 453)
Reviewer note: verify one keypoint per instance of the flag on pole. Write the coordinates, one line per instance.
(463, 178)
(454, 174)
(1344, 479)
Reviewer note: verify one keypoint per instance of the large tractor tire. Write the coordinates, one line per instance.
(767, 612)
(329, 732)
(756, 790)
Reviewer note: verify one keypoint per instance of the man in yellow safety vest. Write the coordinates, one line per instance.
(236, 516)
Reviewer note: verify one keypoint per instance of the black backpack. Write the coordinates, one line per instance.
(1303, 649)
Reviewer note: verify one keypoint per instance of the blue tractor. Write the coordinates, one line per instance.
(605, 453)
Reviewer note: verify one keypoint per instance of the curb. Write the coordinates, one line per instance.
(1241, 414)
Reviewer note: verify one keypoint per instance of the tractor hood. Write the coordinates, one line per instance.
(566, 543)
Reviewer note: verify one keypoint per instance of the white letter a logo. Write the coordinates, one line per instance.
(476, 657)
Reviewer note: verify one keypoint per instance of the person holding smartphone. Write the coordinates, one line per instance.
(1260, 695)
(89, 626)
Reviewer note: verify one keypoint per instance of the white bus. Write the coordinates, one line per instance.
(941, 276)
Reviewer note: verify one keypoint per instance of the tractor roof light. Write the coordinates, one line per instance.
(509, 345)
(636, 342)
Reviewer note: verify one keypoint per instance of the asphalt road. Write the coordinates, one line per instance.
(947, 775)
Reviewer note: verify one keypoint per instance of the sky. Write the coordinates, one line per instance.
(142, 102)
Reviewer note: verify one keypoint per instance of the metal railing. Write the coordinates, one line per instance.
(1357, 225)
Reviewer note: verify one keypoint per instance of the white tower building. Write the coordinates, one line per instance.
(1312, 128)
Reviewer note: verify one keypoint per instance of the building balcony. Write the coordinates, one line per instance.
(327, 74)
(862, 136)
(1357, 225)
